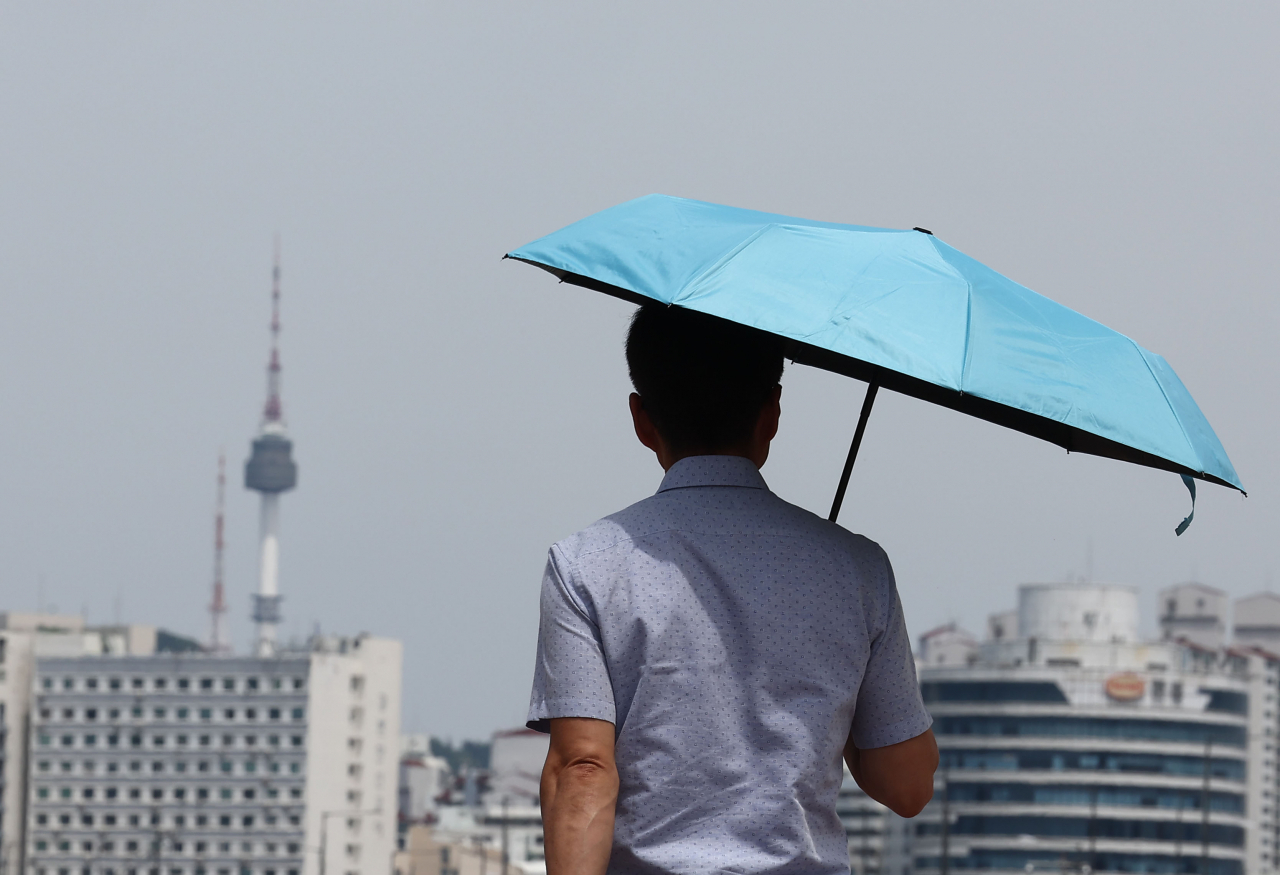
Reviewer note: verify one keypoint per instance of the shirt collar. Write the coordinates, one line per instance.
(713, 471)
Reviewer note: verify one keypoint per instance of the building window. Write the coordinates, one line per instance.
(113, 684)
(158, 713)
(296, 741)
(180, 740)
(247, 821)
(202, 794)
(251, 684)
(250, 714)
(90, 714)
(273, 714)
(229, 684)
(184, 683)
(90, 740)
(206, 683)
(110, 792)
(68, 740)
(297, 713)
(68, 683)
(229, 714)
(205, 740)
(182, 713)
(297, 683)
(206, 713)
(138, 683)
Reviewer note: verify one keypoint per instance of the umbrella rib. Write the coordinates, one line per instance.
(1173, 412)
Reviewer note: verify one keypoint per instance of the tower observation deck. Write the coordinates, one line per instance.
(270, 471)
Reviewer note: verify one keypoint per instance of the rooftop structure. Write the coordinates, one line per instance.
(1193, 612)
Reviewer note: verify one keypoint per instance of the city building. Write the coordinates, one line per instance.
(424, 780)
(1257, 621)
(24, 638)
(1193, 612)
(1069, 744)
(192, 764)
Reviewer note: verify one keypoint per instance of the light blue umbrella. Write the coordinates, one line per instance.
(902, 310)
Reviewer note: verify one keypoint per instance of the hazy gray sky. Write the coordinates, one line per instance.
(454, 414)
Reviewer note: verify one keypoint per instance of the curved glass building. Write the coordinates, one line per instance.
(1069, 745)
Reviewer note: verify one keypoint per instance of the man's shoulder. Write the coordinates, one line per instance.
(665, 512)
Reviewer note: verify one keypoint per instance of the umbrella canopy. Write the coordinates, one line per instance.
(901, 310)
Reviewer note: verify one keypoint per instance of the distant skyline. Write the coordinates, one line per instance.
(453, 415)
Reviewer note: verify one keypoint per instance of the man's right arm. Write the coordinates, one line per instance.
(579, 791)
(900, 776)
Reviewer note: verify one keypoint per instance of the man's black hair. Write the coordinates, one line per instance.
(703, 380)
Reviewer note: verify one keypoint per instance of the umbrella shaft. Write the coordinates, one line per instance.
(870, 399)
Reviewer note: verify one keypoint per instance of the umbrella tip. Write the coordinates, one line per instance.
(923, 231)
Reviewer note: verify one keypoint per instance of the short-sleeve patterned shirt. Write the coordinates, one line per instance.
(735, 641)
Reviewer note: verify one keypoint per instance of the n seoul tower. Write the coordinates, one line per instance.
(270, 471)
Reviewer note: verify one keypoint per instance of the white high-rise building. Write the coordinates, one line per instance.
(193, 764)
(1068, 744)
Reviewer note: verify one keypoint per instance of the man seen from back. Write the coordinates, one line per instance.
(709, 655)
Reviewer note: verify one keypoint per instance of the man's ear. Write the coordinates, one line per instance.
(645, 429)
(767, 425)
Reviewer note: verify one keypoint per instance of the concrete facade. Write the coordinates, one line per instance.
(1081, 748)
(192, 764)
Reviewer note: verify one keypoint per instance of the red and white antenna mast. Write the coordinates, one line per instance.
(218, 607)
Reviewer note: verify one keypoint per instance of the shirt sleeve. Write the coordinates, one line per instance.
(889, 708)
(570, 678)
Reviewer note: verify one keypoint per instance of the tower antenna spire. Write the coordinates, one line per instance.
(218, 607)
(270, 471)
(273, 411)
